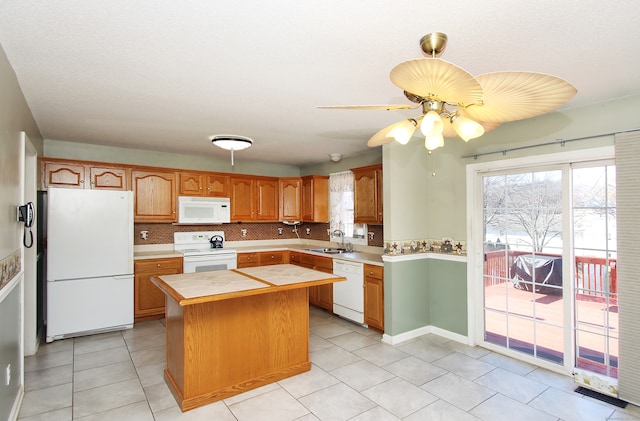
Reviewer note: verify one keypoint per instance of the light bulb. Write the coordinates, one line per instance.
(403, 132)
(433, 142)
(431, 123)
(466, 128)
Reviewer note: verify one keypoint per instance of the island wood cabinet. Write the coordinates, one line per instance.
(203, 184)
(367, 194)
(374, 296)
(290, 191)
(148, 299)
(320, 295)
(254, 199)
(315, 198)
(154, 196)
(55, 173)
(264, 258)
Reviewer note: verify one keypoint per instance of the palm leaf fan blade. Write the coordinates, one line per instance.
(434, 78)
(510, 96)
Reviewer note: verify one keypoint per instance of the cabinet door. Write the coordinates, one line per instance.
(242, 199)
(66, 175)
(379, 195)
(365, 194)
(290, 199)
(218, 185)
(155, 196)
(108, 178)
(190, 184)
(315, 198)
(324, 293)
(148, 299)
(374, 296)
(247, 260)
(267, 200)
(307, 199)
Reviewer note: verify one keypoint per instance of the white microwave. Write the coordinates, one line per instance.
(204, 210)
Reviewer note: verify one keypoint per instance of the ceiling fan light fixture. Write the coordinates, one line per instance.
(466, 128)
(403, 132)
(433, 141)
(431, 124)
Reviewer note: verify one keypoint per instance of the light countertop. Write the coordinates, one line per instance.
(200, 287)
(166, 251)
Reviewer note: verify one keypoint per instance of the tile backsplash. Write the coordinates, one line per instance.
(163, 233)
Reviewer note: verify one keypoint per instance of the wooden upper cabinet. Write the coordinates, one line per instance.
(367, 195)
(254, 199)
(59, 174)
(155, 196)
(190, 184)
(78, 175)
(203, 184)
(108, 178)
(267, 200)
(218, 185)
(242, 208)
(315, 198)
(290, 190)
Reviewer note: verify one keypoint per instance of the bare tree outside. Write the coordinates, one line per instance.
(528, 206)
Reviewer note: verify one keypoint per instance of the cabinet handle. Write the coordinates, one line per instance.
(273, 257)
(158, 265)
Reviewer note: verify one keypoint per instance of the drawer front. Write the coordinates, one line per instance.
(157, 264)
(373, 271)
(247, 260)
(272, 258)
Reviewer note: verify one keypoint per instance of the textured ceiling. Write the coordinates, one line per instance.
(165, 75)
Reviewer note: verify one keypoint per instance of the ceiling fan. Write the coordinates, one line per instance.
(455, 103)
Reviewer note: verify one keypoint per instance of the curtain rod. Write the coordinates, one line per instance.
(560, 142)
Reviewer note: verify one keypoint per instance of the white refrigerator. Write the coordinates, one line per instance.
(89, 262)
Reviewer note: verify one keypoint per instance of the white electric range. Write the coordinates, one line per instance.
(201, 254)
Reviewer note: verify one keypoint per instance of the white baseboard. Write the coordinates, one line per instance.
(17, 403)
(406, 336)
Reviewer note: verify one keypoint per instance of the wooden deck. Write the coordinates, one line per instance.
(546, 310)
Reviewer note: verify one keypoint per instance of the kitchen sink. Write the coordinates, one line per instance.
(329, 250)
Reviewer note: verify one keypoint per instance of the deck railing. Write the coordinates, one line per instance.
(590, 272)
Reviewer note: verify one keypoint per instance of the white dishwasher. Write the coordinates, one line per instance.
(348, 296)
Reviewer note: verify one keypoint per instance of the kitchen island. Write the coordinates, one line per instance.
(230, 331)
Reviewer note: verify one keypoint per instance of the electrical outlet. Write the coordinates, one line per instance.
(243, 231)
(144, 234)
(7, 377)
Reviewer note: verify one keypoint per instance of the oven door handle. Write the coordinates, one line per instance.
(210, 257)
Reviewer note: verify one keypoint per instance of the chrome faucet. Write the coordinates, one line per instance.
(341, 234)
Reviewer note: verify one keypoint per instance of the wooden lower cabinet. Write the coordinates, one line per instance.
(149, 301)
(374, 296)
(321, 295)
(264, 258)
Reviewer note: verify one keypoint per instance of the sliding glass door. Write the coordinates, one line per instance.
(523, 293)
(549, 287)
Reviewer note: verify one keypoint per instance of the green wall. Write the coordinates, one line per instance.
(425, 292)
(406, 296)
(90, 152)
(448, 295)
(15, 117)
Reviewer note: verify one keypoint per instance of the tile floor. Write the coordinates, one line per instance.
(118, 376)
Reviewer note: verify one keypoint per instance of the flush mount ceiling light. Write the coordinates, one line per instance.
(335, 157)
(231, 143)
(454, 103)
